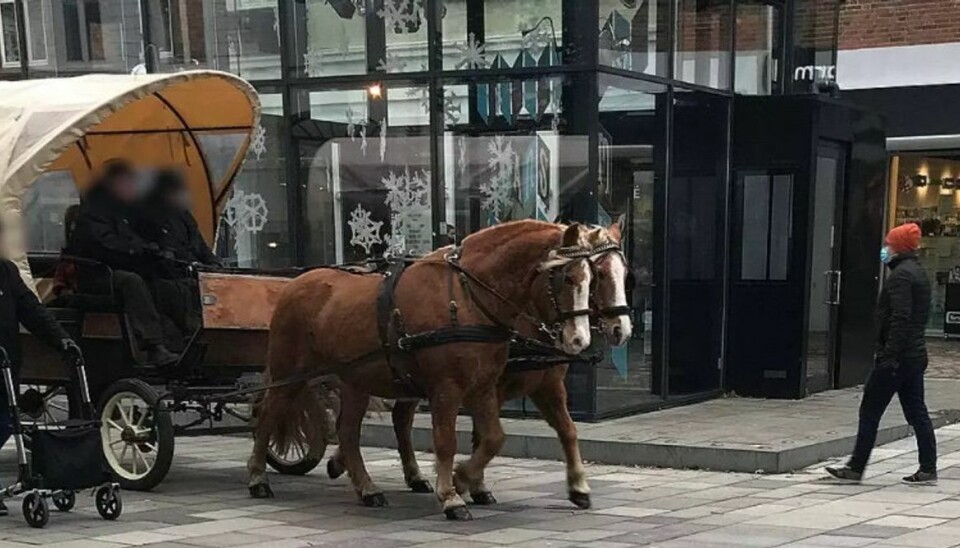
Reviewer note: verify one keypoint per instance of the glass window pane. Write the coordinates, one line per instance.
(635, 35)
(44, 207)
(814, 43)
(365, 163)
(632, 153)
(755, 227)
(781, 226)
(502, 34)
(254, 230)
(405, 30)
(703, 42)
(759, 48)
(238, 36)
(11, 44)
(696, 212)
(37, 37)
(506, 157)
(331, 37)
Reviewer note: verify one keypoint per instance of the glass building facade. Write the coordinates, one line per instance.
(403, 125)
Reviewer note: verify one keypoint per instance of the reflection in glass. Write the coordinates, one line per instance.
(635, 35)
(695, 251)
(254, 230)
(632, 153)
(500, 34)
(45, 204)
(367, 174)
(505, 156)
(759, 48)
(703, 42)
(331, 37)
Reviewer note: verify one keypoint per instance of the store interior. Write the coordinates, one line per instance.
(924, 190)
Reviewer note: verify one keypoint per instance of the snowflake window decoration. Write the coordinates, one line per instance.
(408, 195)
(258, 144)
(357, 127)
(313, 62)
(364, 231)
(497, 191)
(534, 39)
(402, 15)
(392, 63)
(246, 212)
(473, 54)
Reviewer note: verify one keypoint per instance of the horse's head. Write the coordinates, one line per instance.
(610, 293)
(562, 291)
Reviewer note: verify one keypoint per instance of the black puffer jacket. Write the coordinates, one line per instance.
(176, 230)
(902, 314)
(105, 230)
(19, 306)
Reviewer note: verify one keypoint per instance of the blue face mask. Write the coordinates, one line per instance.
(885, 255)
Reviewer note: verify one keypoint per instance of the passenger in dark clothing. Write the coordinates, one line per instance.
(168, 223)
(19, 306)
(105, 230)
(901, 359)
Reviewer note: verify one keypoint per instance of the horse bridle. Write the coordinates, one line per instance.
(596, 256)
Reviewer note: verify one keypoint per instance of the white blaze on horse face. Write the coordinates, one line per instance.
(617, 329)
(576, 330)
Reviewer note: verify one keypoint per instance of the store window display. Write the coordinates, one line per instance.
(925, 192)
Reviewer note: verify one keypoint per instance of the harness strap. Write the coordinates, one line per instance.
(454, 334)
(389, 320)
(614, 311)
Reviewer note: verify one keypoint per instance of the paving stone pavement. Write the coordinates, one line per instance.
(204, 503)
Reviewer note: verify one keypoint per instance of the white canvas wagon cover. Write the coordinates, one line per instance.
(200, 122)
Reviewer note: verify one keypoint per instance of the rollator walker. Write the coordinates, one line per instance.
(64, 458)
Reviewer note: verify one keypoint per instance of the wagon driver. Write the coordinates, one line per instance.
(20, 306)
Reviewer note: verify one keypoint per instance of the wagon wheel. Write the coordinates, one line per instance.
(137, 434)
(296, 461)
(44, 405)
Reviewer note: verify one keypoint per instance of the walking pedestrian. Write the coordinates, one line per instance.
(900, 361)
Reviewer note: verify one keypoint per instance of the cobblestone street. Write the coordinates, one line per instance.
(204, 502)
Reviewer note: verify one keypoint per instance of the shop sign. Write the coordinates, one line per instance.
(815, 72)
(953, 318)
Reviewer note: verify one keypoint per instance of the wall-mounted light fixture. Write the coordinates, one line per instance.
(949, 183)
(921, 180)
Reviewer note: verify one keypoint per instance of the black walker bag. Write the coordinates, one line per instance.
(71, 458)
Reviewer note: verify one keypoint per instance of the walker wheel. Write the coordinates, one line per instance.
(109, 503)
(35, 510)
(64, 500)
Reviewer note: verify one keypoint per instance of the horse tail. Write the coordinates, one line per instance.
(297, 416)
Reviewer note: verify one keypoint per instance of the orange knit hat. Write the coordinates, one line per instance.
(904, 238)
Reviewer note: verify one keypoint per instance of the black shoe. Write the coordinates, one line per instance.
(845, 473)
(3, 509)
(161, 357)
(921, 478)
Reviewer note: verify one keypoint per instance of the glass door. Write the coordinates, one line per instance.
(826, 278)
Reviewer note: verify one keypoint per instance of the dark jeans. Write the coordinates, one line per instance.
(907, 383)
(137, 303)
(179, 300)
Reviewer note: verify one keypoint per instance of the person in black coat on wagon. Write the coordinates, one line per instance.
(901, 359)
(167, 222)
(105, 230)
(20, 306)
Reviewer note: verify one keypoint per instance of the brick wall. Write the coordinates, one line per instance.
(886, 23)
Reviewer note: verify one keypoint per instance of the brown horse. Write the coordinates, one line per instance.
(326, 321)
(545, 386)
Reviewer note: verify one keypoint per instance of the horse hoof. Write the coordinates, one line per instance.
(421, 486)
(582, 500)
(483, 498)
(334, 469)
(261, 491)
(376, 500)
(458, 513)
